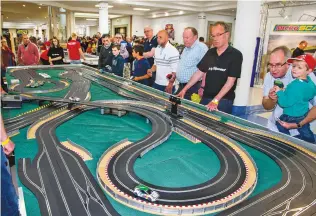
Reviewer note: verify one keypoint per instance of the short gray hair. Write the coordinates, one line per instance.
(286, 51)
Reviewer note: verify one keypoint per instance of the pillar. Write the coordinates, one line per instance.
(88, 31)
(40, 35)
(70, 23)
(62, 25)
(55, 22)
(1, 23)
(49, 29)
(34, 31)
(202, 25)
(103, 18)
(246, 31)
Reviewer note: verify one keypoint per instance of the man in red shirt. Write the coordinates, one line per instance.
(74, 50)
(27, 52)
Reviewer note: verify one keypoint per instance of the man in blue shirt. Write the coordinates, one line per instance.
(149, 49)
(189, 59)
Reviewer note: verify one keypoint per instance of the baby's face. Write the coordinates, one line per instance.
(299, 69)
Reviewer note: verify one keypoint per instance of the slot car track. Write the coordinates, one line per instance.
(295, 194)
(60, 179)
(25, 75)
(59, 193)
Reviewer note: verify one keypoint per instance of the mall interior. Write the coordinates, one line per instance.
(253, 28)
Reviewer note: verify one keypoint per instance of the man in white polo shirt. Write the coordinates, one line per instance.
(166, 61)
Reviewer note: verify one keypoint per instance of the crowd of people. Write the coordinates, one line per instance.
(207, 76)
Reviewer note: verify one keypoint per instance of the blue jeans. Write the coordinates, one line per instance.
(9, 199)
(224, 105)
(75, 62)
(161, 87)
(194, 89)
(305, 132)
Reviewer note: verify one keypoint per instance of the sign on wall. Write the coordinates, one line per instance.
(170, 30)
(295, 28)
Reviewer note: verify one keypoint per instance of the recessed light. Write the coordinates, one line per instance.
(39, 7)
(166, 13)
(154, 16)
(180, 12)
(7, 17)
(141, 9)
(45, 17)
(23, 5)
(27, 17)
(109, 6)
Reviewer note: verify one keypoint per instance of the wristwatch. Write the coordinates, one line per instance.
(298, 125)
(215, 101)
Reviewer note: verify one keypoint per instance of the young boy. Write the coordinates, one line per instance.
(295, 98)
(117, 61)
(141, 65)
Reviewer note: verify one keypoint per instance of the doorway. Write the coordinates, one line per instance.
(121, 30)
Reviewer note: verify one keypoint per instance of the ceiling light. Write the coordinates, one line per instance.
(45, 17)
(7, 17)
(166, 13)
(91, 19)
(180, 12)
(39, 7)
(109, 6)
(23, 5)
(154, 16)
(141, 9)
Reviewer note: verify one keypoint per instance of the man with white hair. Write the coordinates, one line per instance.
(149, 49)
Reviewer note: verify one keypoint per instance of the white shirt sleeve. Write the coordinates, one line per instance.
(174, 60)
(267, 84)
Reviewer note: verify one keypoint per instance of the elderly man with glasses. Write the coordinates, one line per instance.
(222, 66)
(279, 74)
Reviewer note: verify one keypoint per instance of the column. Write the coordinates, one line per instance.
(70, 23)
(103, 18)
(34, 31)
(1, 23)
(62, 25)
(202, 25)
(40, 35)
(49, 29)
(54, 21)
(88, 31)
(246, 31)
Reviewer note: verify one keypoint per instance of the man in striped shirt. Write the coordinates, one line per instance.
(166, 61)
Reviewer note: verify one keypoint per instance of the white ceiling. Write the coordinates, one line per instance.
(13, 11)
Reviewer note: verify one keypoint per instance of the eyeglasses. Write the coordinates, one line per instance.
(276, 66)
(218, 35)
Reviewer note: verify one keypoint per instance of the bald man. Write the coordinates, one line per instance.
(166, 61)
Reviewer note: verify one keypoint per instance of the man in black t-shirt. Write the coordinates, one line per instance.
(222, 65)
